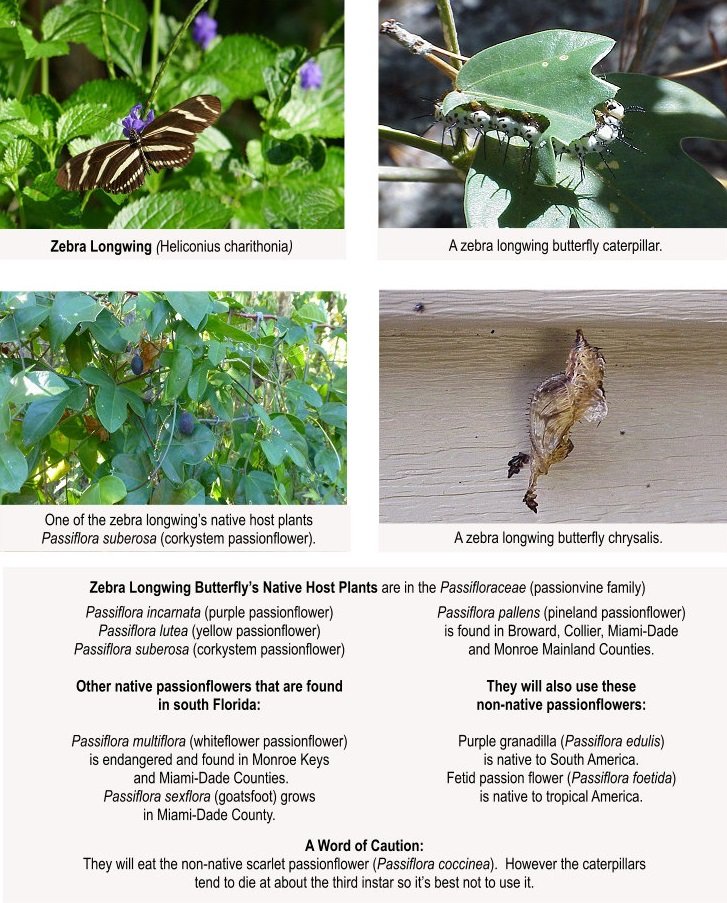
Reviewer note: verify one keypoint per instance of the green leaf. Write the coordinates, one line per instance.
(192, 306)
(295, 389)
(95, 377)
(82, 119)
(546, 73)
(21, 323)
(36, 50)
(317, 111)
(119, 96)
(179, 374)
(9, 13)
(189, 493)
(11, 109)
(236, 64)
(41, 417)
(310, 313)
(78, 350)
(47, 205)
(216, 352)
(17, 156)
(68, 310)
(177, 209)
(111, 406)
(198, 381)
(255, 488)
(327, 462)
(16, 300)
(106, 331)
(13, 467)
(32, 384)
(186, 450)
(75, 20)
(107, 491)
(292, 206)
(334, 414)
(127, 23)
(287, 442)
(131, 470)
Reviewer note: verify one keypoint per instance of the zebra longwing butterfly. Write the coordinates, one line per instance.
(121, 166)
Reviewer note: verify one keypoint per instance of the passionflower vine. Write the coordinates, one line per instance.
(135, 122)
(204, 30)
(311, 76)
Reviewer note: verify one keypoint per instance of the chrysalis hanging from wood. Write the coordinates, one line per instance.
(557, 404)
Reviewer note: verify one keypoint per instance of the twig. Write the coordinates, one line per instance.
(449, 29)
(705, 68)
(418, 174)
(328, 36)
(155, 16)
(421, 143)
(420, 47)
(106, 43)
(650, 34)
(170, 53)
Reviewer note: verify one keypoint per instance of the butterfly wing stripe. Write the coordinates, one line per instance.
(129, 183)
(168, 156)
(168, 132)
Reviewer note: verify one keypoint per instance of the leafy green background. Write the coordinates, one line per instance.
(263, 377)
(278, 148)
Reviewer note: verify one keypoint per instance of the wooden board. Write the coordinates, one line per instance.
(455, 384)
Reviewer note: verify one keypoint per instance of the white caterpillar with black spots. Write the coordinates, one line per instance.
(484, 119)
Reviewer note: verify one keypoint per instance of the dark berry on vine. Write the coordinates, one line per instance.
(137, 365)
(186, 424)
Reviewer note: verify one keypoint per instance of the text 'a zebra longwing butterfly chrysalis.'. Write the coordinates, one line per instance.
(120, 167)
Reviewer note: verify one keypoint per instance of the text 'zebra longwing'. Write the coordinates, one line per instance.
(121, 166)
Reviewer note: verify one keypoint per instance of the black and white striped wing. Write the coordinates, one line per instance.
(185, 121)
(121, 166)
(116, 167)
(169, 140)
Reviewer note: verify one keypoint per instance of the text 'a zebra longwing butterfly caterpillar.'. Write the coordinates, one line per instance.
(120, 167)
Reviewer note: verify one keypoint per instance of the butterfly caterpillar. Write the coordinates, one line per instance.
(484, 118)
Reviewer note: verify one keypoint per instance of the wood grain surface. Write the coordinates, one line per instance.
(455, 384)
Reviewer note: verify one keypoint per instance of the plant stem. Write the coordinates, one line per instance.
(21, 208)
(648, 37)
(449, 29)
(44, 86)
(26, 80)
(106, 43)
(170, 53)
(328, 36)
(418, 174)
(155, 16)
(425, 144)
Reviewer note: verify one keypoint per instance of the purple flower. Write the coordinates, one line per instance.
(311, 75)
(132, 121)
(204, 30)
